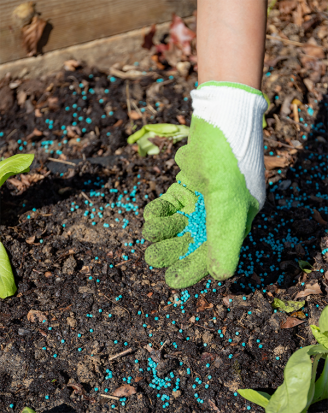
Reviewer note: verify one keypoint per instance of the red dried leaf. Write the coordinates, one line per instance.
(124, 391)
(309, 289)
(150, 294)
(181, 35)
(148, 38)
(291, 322)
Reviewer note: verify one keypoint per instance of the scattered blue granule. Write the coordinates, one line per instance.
(196, 225)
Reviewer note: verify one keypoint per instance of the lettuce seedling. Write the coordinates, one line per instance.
(27, 410)
(299, 389)
(14, 165)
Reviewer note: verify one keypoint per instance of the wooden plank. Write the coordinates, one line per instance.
(74, 22)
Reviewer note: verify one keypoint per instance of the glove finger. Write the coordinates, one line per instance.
(158, 208)
(158, 229)
(189, 270)
(177, 197)
(226, 233)
(167, 252)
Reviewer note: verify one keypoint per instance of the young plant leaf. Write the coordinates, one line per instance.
(288, 306)
(258, 397)
(14, 165)
(323, 320)
(304, 266)
(321, 385)
(28, 410)
(322, 338)
(293, 394)
(7, 281)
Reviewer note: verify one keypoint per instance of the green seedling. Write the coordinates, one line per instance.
(299, 389)
(14, 165)
(288, 306)
(172, 133)
(27, 410)
(305, 266)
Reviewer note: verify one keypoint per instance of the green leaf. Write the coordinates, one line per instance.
(304, 266)
(322, 338)
(258, 397)
(14, 165)
(318, 349)
(28, 410)
(321, 385)
(323, 320)
(165, 130)
(287, 306)
(295, 392)
(7, 281)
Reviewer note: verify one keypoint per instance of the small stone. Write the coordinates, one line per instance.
(176, 394)
(71, 322)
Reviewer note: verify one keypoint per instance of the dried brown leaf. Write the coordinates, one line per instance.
(291, 322)
(226, 299)
(298, 15)
(71, 65)
(134, 115)
(315, 51)
(318, 218)
(78, 389)
(36, 133)
(36, 315)
(17, 183)
(32, 34)
(272, 162)
(181, 119)
(286, 6)
(298, 314)
(53, 103)
(208, 357)
(30, 240)
(124, 391)
(148, 38)
(213, 406)
(309, 289)
(202, 305)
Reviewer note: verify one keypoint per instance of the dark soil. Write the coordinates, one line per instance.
(74, 274)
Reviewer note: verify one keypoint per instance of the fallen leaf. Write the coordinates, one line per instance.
(30, 240)
(53, 103)
(181, 35)
(73, 131)
(18, 184)
(291, 322)
(208, 356)
(298, 314)
(47, 274)
(124, 391)
(71, 65)
(78, 389)
(318, 218)
(21, 97)
(314, 51)
(202, 305)
(181, 119)
(213, 406)
(224, 329)
(34, 315)
(309, 289)
(32, 34)
(286, 6)
(148, 38)
(137, 379)
(309, 84)
(287, 306)
(150, 294)
(134, 115)
(36, 132)
(226, 300)
(272, 162)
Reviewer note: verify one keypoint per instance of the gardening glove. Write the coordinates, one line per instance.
(199, 224)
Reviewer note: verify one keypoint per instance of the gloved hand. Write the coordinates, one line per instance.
(223, 165)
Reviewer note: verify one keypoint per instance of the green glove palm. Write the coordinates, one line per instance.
(209, 167)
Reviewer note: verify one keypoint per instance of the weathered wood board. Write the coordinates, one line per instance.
(74, 22)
